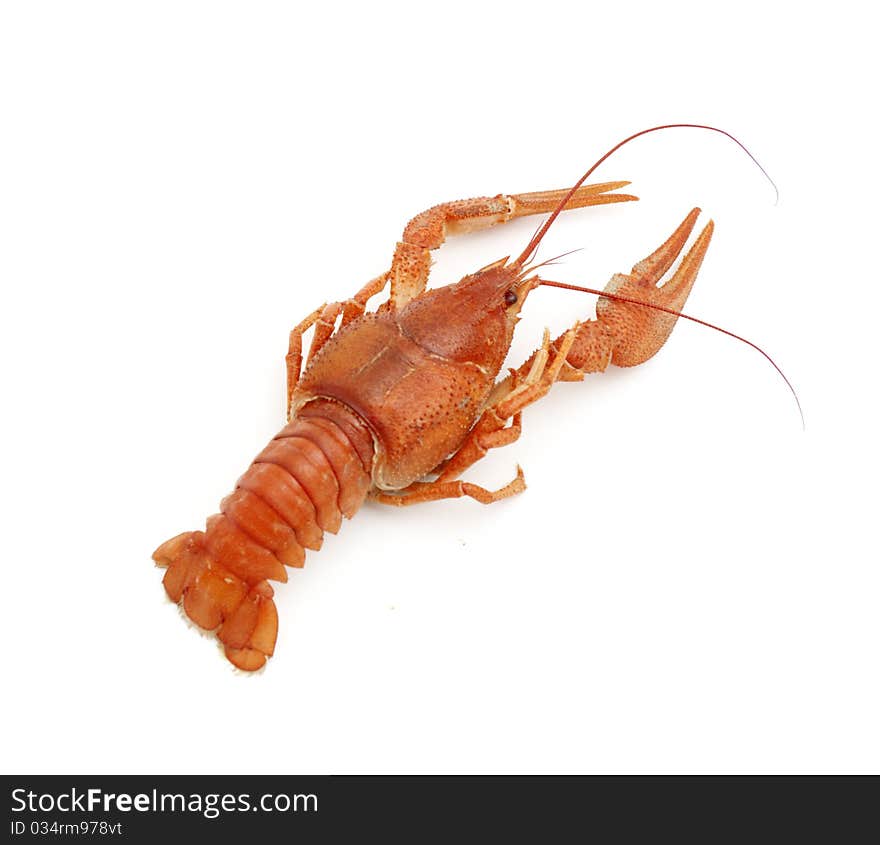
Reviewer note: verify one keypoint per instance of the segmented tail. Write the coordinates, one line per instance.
(315, 471)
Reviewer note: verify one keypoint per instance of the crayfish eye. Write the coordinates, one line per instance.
(510, 297)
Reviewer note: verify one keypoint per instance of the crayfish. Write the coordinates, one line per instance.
(397, 403)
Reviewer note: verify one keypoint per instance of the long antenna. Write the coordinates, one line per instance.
(533, 243)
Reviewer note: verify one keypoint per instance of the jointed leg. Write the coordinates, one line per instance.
(428, 230)
(324, 321)
(350, 309)
(294, 352)
(523, 387)
(431, 491)
(354, 307)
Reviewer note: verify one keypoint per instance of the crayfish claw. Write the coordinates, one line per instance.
(639, 332)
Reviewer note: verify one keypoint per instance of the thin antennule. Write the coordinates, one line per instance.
(633, 301)
(533, 243)
(555, 259)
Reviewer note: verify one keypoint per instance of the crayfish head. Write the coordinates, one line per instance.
(471, 321)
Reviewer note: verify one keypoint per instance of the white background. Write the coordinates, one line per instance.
(690, 583)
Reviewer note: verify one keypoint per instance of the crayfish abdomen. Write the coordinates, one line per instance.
(315, 471)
